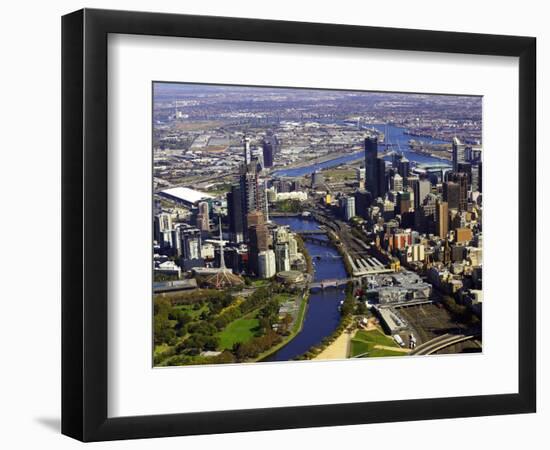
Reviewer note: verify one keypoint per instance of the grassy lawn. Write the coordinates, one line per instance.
(283, 297)
(365, 341)
(343, 174)
(376, 337)
(241, 330)
(359, 347)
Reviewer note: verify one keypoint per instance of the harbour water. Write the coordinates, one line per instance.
(394, 135)
(322, 314)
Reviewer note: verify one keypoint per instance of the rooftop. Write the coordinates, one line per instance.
(186, 194)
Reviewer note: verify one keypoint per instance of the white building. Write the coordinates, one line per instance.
(267, 267)
(296, 195)
(349, 207)
(282, 257)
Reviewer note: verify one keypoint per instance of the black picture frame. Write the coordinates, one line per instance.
(84, 224)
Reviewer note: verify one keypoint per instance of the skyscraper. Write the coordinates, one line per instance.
(458, 153)
(442, 218)
(317, 179)
(476, 177)
(266, 264)
(282, 256)
(252, 193)
(203, 217)
(268, 153)
(396, 183)
(382, 181)
(191, 244)
(461, 179)
(451, 194)
(371, 167)
(403, 204)
(363, 200)
(246, 150)
(421, 189)
(404, 167)
(258, 241)
(349, 207)
(235, 213)
(361, 177)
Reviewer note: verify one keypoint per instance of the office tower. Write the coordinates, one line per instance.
(246, 150)
(203, 217)
(258, 234)
(163, 230)
(253, 194)
(349, 207)
(163, 222)
(461, 179)
(476, 155)
(395, 160)
(282, 256)
(268, 153)
(403, 204)
(381, 176)
(421, 189)
(363, 199)
(235, 213)
(266, 264)
(466, 168)
(476, 177)
(404, 167)
(292, 246)
(371, 165)
(317, 179)
(451, 194)
(442, 218)
(425, 215)
(458, 153)
(361, 172)
(257, 157)
(396, 183)
(191, 247)
(255, 218)
(176, 241)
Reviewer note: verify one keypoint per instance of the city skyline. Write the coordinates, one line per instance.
(314, 224)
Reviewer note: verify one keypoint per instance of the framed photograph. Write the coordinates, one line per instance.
(273, 224)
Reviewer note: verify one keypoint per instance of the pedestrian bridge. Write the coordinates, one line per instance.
(329, 284)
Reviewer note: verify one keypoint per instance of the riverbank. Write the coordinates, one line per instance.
(340, 348)
(295, 330)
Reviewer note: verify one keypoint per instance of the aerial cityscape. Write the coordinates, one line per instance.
(308, 224)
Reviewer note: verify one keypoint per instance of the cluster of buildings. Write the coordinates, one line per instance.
(428, 221)
(252, 246)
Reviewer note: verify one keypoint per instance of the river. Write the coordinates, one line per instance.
(395, 136)
(322, 314)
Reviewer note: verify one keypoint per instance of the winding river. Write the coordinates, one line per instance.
(322, 315)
